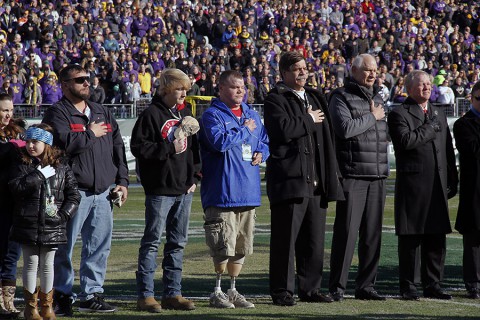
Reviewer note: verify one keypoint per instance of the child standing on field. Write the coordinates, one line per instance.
(46, 196)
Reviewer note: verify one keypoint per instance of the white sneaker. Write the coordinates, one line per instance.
(218, 299)
(238, 300)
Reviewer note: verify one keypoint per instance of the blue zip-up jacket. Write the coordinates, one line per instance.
(228, 180)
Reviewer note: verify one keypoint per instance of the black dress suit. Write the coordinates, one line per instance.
(467, 140)
(426, 170)
(302, 176)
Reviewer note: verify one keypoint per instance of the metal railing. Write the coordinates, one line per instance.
(132, 110)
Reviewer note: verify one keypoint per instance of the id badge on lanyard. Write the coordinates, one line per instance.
(247, 152)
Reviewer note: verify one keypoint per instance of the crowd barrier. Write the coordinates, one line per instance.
(132, 110)
(126, 116)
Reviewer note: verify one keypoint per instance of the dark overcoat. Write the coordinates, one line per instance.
(426, 168)
(466, 131)
(296, 143)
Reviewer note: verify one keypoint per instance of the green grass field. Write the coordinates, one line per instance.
(199, 278)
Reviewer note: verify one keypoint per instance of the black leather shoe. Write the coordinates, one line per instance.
(316, 296)
(473, 293)
(337, 296)
(410, 295)
(436, 293)
(283, 299)
(368, 295)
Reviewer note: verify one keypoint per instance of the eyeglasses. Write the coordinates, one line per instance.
(79, 80)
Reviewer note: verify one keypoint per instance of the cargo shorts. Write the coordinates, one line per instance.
(229, 231)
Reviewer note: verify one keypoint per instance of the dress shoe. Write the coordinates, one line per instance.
(436, 293)
(283, 299)
(316, 296)
(368, 295)
(410, 295)
(337, 296)
(473, 293)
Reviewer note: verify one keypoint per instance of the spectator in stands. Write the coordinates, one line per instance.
(399, 92)
(458, 88)
(446, 95)
(17, 89)
(133, 89)
(33, 96)
(194, 89)
(51, 91)
(145, 80)
(81, 32)
(97, 93)
(6, 88)
(111, 44)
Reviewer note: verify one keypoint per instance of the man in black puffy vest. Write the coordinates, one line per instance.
(360, 128)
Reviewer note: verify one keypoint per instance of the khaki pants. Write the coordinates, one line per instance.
(229, 231)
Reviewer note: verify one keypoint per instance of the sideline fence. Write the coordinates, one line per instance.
(132, 110)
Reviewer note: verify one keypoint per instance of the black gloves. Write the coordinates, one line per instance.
(433, 122)
(451, 191)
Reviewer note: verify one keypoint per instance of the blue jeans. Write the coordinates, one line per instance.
(8, 267)
(170, 213)
(94, 221)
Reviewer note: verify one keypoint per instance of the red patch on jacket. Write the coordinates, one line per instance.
(168, 129)
(77, 127)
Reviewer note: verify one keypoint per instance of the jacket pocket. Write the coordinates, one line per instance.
(215, 238)
(285, 162)
(410, 167)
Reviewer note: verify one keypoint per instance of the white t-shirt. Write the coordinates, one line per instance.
(446, 95)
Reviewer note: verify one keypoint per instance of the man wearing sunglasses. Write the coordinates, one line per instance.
(91, 137)
(467, 140)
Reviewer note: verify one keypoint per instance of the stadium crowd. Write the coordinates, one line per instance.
(362, 54)
(125, 45)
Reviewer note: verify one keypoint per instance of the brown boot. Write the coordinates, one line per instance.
(8, 293)
(148, 304)
(2, 305)
(31, 311)
(177, 303)
(46, 301)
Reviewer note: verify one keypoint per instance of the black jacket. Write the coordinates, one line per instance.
(31, 224)
(162, 171)
(96, 162)
(361, 140)
(467, 140)
(301, 151)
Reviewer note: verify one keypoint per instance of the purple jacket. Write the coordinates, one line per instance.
(140, 27)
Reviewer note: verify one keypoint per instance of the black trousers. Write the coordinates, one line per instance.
(471, 260)
(421, 260)
(361, 214)
(298, 232)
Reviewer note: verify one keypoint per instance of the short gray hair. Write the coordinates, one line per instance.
(358, 60)
(414, 76)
